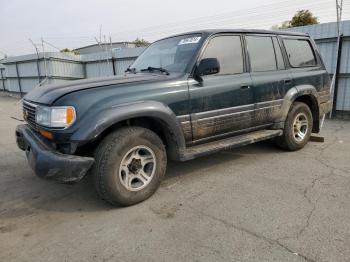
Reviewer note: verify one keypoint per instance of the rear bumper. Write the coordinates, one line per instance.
(325, 108)
(48, 163)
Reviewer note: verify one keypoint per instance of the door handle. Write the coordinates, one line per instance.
(245, 87)
(287, 81)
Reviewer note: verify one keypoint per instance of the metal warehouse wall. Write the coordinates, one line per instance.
(325, 36)
(2, 78)
(110, 63)
(23, 73)
(103, 68)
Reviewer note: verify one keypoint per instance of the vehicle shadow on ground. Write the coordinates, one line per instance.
(82, 197)
(178, 169)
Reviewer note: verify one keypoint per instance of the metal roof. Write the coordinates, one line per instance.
(323, 31)
(118, 54)
(47, 55)
(64, 56)
(102, 44)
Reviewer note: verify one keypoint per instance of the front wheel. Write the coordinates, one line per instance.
(130, 165)
(297, 128)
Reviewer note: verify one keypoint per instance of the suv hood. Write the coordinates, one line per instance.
(48, 94)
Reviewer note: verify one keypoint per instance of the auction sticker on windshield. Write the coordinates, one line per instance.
(190, 40)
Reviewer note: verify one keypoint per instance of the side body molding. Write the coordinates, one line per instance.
(94, 126)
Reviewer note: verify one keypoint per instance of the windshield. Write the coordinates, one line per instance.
(172, 54)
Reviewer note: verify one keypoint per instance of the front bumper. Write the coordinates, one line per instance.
(48, 163)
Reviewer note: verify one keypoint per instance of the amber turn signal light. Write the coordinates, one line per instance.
(46, 134)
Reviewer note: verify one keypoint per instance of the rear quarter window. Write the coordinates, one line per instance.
(300, 52)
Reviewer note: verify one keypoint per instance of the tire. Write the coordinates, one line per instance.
(292, 140)
(124, 173)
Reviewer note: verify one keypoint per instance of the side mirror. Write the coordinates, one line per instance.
(207, 66)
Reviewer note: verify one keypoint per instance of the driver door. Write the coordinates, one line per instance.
(222, 104)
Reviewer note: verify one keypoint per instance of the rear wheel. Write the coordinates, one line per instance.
(130, 165)
(297, 128)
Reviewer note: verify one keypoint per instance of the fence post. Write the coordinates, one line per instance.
(337, 73)
(113, 59)
(19, 80)
(84, 69)
(38, 69)
(2, 80)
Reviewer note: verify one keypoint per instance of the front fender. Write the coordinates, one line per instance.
(91, 129)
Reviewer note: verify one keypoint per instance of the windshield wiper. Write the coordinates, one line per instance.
(132, 70)
(151, 68)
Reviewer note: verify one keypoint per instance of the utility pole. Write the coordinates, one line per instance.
(339, 8)
(334, 84)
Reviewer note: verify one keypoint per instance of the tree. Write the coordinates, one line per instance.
(302, 18)
(140, 42)
(67, 50)
(284, 25)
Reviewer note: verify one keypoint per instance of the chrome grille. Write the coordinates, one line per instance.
(29, 111)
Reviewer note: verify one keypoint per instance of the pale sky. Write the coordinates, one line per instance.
(64, 23)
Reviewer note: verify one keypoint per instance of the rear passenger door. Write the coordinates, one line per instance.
(223, 103)
(271, 79)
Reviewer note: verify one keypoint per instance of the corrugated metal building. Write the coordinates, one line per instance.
(325, 36)
(96, 48)
(2, 77)
(110, 63)
(22, 73)
(25, 72)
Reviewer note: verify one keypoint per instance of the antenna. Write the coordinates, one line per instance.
(36, 48)
(100, 33)
(106, 49)
(37, 61)
(51, 45)
(99, 44)
(44, 56)
(110, 42)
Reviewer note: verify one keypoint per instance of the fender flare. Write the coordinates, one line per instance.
(292, 94)
(93, 127)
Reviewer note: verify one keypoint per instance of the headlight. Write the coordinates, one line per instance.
(57, 117)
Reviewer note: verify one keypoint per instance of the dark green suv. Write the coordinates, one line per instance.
(186, 96)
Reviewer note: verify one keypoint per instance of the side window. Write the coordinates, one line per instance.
(299, 52)
(228, 50)
(278, 52)
(261, 53)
